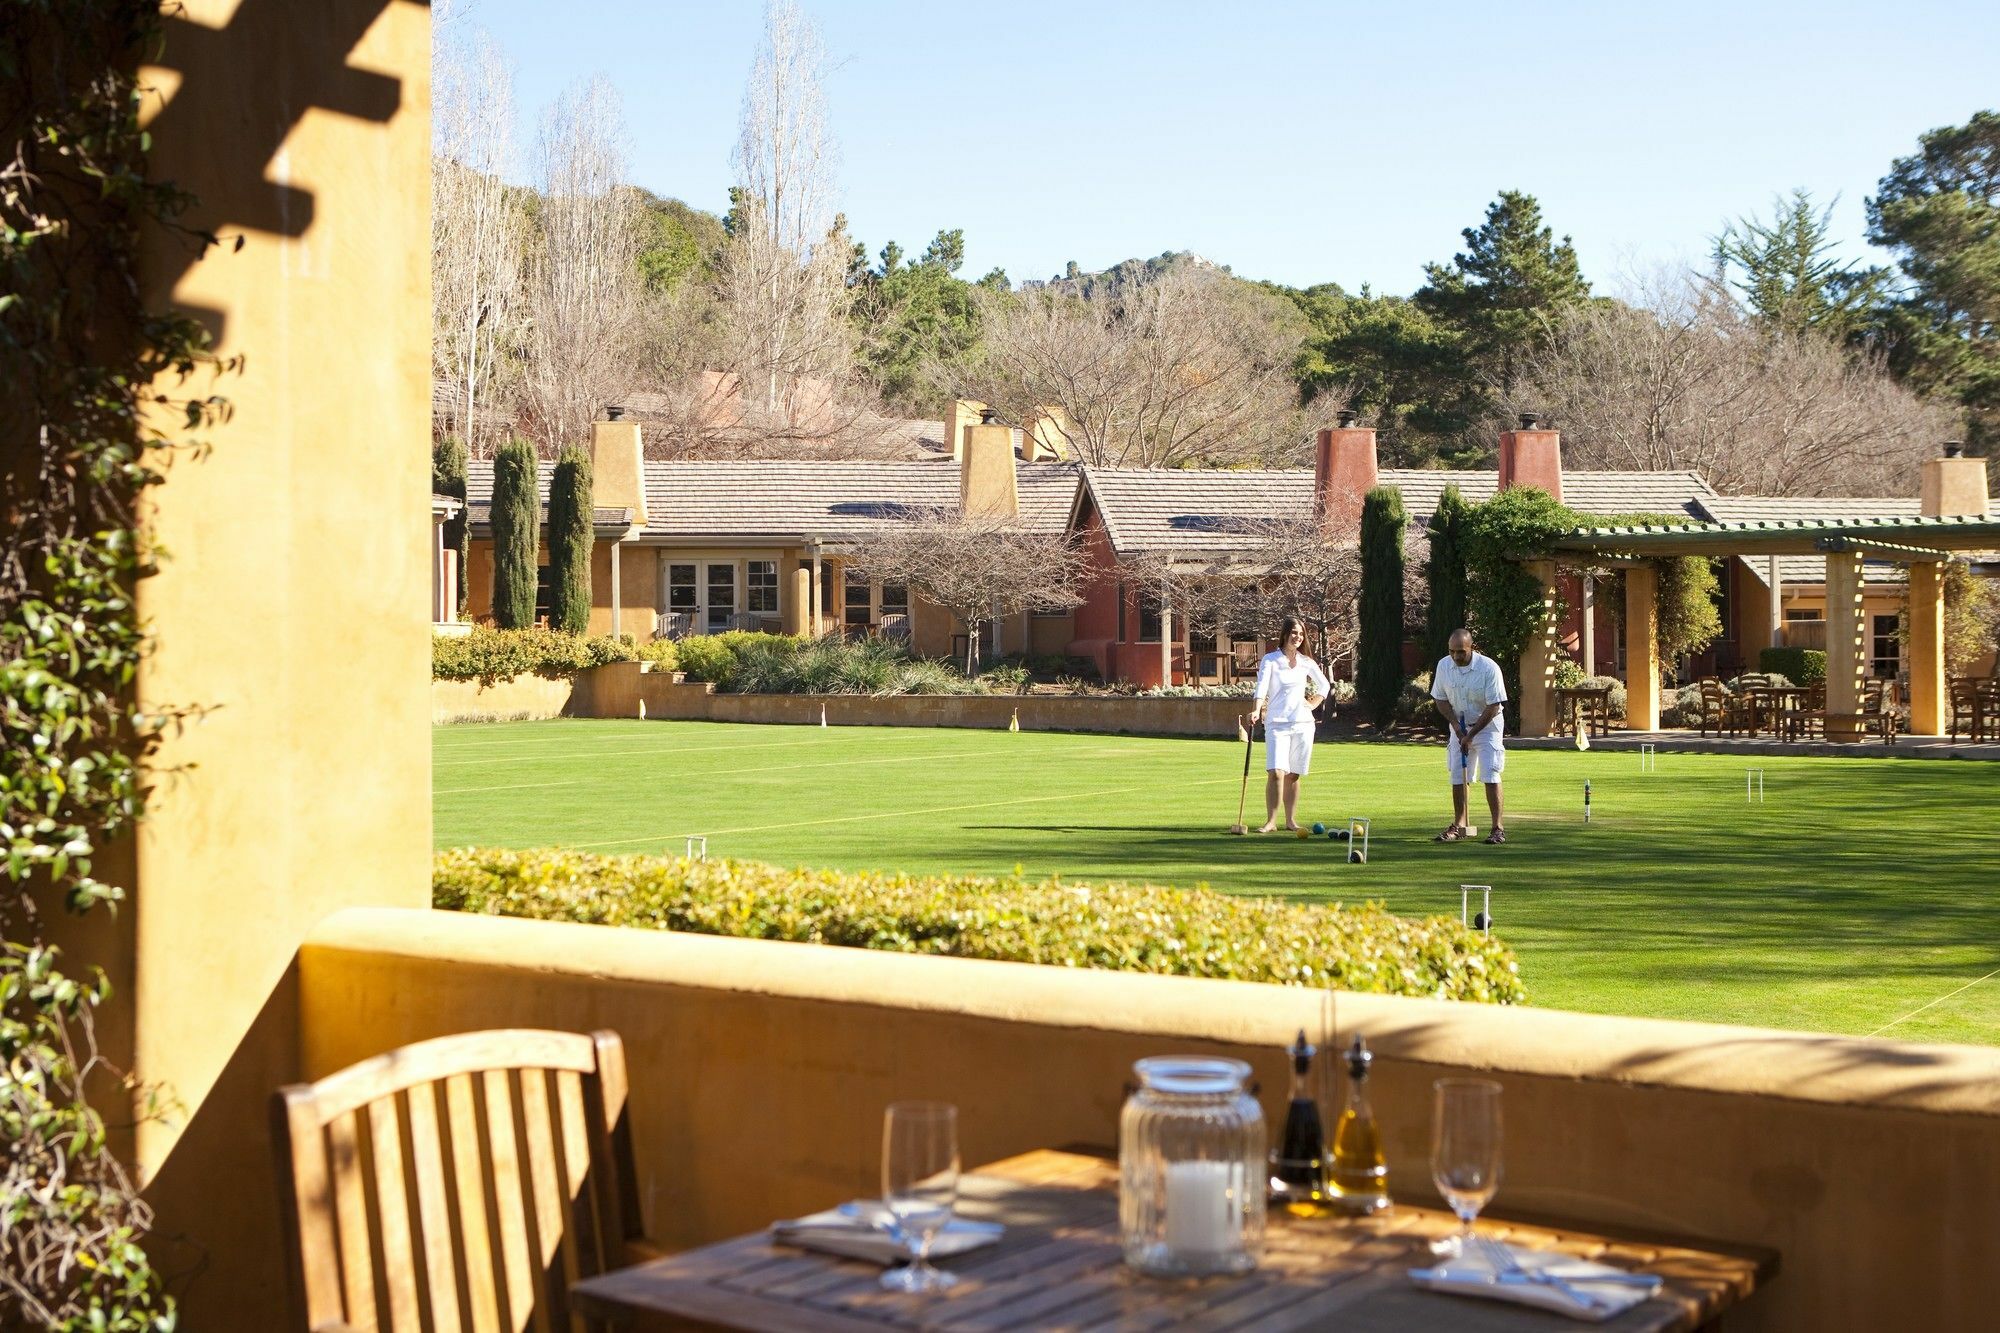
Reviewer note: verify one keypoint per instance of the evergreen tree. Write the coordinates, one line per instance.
(1378, 657)
(1939, 210)
(570, 537)
(1788, 276)
(1401, 366)
(1504, 291)
(515, 523)
(448, 478)
(1445, 574)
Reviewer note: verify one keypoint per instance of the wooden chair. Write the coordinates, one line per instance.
(462, 1183)
(1719, 708)
(1966, 713)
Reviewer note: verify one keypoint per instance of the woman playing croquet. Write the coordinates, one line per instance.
(1290, 686)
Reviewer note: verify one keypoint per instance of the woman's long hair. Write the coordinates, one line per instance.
(1285, 629)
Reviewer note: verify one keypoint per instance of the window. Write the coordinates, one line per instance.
(545, 593)
(1121, 615)
(1887, 648)
(1149, 617)
(760, 586)
(682, 594)
(1794, 614)
(854, 600)
(895, 599)
(721, 597)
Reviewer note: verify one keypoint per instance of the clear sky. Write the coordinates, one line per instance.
(1298, 142)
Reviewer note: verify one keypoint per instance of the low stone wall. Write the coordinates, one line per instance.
(692, 701)
(759, 1071)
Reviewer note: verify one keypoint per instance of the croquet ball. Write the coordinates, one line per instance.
(1337, 834)
(1318, 829)
(1480, 921)
(1305, 833)
(1355, 857)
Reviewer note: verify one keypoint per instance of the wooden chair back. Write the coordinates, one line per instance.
(458, 1185)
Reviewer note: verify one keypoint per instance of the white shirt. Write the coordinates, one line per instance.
(1281, 689)
(1470, 688)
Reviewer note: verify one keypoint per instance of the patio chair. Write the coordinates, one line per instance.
(1879, 709)
(469, 1180)
(895, 625)
(1719, 708)
(674, 625)
(1967, 715)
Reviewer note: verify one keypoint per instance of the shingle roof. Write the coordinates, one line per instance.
(1147, 509)
(479, 495)
(827, 499)
(1810, 569)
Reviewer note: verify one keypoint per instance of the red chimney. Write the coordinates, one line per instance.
(1343, 472)
(1531, 456)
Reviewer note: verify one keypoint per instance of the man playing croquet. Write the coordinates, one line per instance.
(1290, 686)
(1469, 694)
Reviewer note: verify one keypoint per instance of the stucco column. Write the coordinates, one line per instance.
(1642, 648)
(1927, 683)
(1166, 637)
(617, 590)
(797, 615)
(1777, 601)
(1538, 658)
(1846, 638)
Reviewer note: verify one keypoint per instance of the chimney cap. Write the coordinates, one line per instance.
(1529, 420)
(613, 412)
(1348, 416)
(988, 417)
(1953, 448)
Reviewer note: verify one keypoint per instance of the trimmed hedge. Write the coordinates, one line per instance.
(488, 655)
(1807, 666)
(742, 662)
(1118, 927)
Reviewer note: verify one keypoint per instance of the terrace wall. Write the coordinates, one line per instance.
(759, 1071)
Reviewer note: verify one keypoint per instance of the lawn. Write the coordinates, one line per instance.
(1859, 898)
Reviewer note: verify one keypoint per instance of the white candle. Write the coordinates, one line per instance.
(1203, 1207)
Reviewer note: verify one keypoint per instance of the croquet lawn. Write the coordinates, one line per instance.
(1862, 896)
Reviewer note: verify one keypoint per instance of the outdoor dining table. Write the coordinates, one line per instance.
(1594, 699)
(1769, 702)
(1059, 1266)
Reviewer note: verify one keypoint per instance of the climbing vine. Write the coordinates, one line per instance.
(87, 429)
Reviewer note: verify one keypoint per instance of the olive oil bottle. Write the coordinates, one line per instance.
(1359, 1179)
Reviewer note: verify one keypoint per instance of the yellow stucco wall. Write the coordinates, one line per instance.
(294, 602)
(760, 1069)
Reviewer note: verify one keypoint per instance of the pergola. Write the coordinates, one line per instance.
(1922, 545)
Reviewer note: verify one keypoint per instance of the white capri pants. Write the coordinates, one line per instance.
(1288, 748)
(1488, 757)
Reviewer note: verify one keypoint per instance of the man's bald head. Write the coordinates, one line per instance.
(1461, 646)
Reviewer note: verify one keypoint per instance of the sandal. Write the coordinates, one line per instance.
(1456, 833)
(1497, 836)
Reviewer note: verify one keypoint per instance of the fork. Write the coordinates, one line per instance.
(1507, 1268)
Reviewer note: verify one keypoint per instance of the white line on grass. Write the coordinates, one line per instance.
(1939, 1000)
(903, 814)
(518, 786)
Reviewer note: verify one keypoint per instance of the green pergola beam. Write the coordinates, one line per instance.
(1785, 537)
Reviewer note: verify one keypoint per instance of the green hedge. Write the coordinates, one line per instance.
(487, 655)
(1119, 927)
(1807, 666)
(742, 662)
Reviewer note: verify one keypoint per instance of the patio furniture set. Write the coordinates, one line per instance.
(1767, 706)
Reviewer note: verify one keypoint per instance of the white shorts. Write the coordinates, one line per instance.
(1489, 757)
(1288, 748)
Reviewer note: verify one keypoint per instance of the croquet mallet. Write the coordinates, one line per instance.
(1244, 795)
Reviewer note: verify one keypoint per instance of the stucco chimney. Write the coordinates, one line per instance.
(986, 472)
(1954, 486)
(1344, 471)
(960, 417)
(1531, 456)
(617, 466)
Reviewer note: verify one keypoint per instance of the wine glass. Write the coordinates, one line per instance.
(1465, 1152)
(919, 1186)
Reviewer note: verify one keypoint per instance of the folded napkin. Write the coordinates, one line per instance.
(859, 1230)
(1560, 1282)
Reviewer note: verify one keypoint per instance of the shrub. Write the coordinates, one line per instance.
(660, 652)
(1807, 666)
(1737, 684)
(1378, 655)
(1120, 927)
(1444, 573)
(1685, 710)
(741, 662)
(515, 525)
(1011, 677)
(488, 655)
(1240, 689)
(571, 534)
(1615, 701)
(1414, 707)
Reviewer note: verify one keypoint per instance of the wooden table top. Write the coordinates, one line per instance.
(1060, 1267)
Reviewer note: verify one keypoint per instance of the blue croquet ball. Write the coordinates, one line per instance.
(1355, 857)
(1480, 921)
(1318, 829)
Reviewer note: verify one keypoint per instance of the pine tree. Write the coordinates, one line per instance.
(1505, 290)
(448, 478)
(515, 524)
(1445, 573)
(1378, 657)
(570, 537)
(1787, 274)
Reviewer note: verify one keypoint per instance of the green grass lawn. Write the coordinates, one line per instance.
(1860, 898)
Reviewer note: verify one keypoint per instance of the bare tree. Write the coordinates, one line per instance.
(784, 273)
(980, 568)
(1183, 368)
(475, 233)
(1685, 380)
(583, 287)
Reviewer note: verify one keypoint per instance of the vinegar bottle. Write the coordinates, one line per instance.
(1300, 1169)
(1360, 1176)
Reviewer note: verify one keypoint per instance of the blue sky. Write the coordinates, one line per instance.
(1297, 142)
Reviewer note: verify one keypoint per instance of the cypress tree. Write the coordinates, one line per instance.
(1445, 574)
(448, 478)
(570, 535)
(515, 524)
(1378, 658)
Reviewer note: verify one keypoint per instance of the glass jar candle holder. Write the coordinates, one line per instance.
(1191, 1169)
